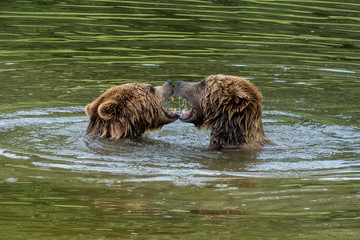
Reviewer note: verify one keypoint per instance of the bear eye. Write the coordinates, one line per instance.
(152, 89)
(202, 83)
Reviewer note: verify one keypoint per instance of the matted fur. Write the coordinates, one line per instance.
(230, 107)
(128, 110)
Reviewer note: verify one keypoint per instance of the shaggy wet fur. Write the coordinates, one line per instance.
(129, 110)
(230, 107)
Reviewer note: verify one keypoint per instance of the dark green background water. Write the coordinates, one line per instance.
(57, 183)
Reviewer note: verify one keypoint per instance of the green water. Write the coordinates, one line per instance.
(57, 183)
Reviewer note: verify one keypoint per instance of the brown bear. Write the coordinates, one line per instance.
(129, 110)
(229, 106)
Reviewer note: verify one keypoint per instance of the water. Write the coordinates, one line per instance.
(57, 183)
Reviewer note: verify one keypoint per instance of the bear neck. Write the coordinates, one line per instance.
(115, 128)
(239, 130)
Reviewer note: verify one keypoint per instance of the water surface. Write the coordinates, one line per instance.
(58, 183)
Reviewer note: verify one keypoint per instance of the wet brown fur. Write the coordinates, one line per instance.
(128, 110)
(230, 107)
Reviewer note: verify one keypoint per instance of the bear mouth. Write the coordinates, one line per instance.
(186, 114)
(171, 114)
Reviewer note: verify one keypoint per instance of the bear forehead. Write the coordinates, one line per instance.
(129, 90)
(228, 82)
(231, 85)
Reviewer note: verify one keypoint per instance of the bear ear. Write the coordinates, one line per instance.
(89, 110)
(238, 101)
(108, 109)
(243, 100)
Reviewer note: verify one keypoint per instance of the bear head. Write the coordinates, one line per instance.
(129, 110)
(229, 106)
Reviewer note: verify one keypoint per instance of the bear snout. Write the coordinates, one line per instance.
(179, 83)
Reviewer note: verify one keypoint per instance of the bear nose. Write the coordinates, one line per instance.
(179, 83)
(170, 82)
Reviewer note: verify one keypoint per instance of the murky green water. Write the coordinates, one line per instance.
(57, 183)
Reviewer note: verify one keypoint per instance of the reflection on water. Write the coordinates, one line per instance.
(57, 183)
